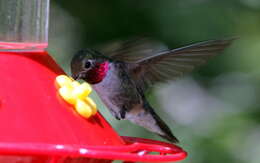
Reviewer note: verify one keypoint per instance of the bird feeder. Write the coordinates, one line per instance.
(36, 125)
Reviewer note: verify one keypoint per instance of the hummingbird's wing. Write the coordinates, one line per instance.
(171, 64)
(150, 62)
(132, 50)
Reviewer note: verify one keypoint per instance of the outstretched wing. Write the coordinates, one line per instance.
(132, 50)
(171, 64)
(150, 62)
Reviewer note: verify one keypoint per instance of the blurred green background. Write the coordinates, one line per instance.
(214, 111)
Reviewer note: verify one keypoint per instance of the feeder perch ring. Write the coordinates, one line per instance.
(136, 149)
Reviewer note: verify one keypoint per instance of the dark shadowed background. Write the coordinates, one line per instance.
(214, 111)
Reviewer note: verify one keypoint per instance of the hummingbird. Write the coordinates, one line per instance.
(122, 72)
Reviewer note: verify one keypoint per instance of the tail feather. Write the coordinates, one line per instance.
(145, 116)
(167, 134)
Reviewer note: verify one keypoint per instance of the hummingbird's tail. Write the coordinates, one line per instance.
(165, 130)
(145, 116)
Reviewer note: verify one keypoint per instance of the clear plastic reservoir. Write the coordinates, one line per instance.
(24, 25)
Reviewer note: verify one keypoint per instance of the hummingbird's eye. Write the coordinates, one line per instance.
(87, 64)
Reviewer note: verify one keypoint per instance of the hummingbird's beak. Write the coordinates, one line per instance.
(80, 75)
(75, 76)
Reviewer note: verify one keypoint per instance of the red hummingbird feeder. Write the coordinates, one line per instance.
(36, 125)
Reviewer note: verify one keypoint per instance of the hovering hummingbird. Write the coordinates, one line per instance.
(122, 72)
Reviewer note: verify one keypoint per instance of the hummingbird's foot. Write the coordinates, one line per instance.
(119, 115)
(115, 114)
(122, 113)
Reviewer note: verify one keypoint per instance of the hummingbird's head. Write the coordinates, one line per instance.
(89, 65)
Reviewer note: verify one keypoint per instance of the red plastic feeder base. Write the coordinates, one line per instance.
(37, 126)
(135, 149)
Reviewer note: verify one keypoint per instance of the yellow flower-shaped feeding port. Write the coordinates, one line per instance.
(76, 94)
